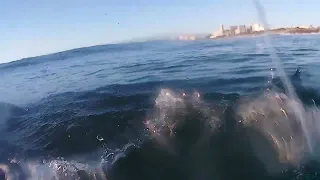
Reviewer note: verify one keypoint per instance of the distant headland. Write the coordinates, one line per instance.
(253, 30)
(257, 29)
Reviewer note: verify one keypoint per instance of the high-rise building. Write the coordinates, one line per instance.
(221, 29)
(228, 33)
(242, 29)
(249, 29)
(233, 29)
(257, 27)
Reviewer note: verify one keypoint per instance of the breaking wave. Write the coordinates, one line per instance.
(185, 136)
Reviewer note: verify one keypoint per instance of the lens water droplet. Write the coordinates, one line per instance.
(100, 138)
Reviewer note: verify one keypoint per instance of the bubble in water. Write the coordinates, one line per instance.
(99, 138)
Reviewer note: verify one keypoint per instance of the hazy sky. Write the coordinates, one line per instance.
(36, 27)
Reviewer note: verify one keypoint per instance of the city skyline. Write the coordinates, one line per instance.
(36, 28)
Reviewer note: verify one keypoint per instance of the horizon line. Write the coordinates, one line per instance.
(75, 48)
(167, 36)
(164, 36)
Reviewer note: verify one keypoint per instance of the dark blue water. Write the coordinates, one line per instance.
(86, 109)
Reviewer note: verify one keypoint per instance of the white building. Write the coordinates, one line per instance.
(192, 38)
(257, 27)
(233, 30)
(216, 34)
(221, 29)
(220, 32)
(241, 29)
(306, 27)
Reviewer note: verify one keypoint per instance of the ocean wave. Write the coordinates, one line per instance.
(140, 115)
(183, 137)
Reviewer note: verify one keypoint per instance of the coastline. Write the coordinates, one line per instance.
(278, 31)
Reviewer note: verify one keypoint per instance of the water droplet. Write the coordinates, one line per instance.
(100, 138)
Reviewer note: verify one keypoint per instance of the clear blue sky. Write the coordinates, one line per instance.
(36, 27)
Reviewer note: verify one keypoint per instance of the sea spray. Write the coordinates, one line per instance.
(172, 110)
(297, 106)
(271, 114)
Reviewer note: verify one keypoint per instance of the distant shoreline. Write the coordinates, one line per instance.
(278, 31)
